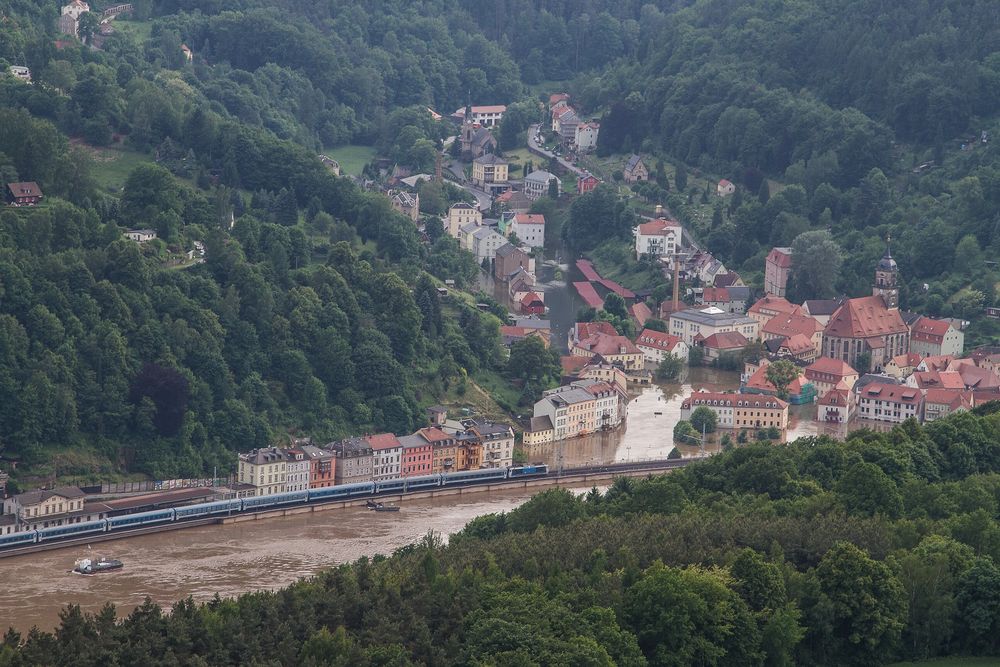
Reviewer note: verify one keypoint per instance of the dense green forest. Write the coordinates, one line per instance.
(310, 314)
(881, 548)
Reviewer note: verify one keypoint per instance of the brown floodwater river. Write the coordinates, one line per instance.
(226, 559)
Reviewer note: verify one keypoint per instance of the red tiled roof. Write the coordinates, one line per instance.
(587, 269)
(25, 189)
(658, 227)
(571, 365)
(772, 305)
(929, 331)
(937, 362)
(785, 324)
(641, 312)
(433, 434)
(606, 345)
(588, 329)
(950, 397)
(555, 98)
(383, 441)
(759, 381)
(830, 366)
(621, 291)
(780, 258)
(715, 295)
(907, 360)
(865, 317)
(589, 294)
(978, 378)
(893, 393)
(726, 340)
(940, 379)
(529, 219)
(657, 340)
(839, 396)
(532, 299)
(798, 344)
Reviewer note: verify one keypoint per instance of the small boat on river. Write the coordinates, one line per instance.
(381, 507)
(97, 565)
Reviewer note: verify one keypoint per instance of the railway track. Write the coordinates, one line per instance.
(565, 474)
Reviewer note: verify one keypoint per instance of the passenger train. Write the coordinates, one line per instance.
(259, 503)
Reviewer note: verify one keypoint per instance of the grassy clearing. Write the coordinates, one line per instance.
(113, 165)
(352, 158)
(140, 29)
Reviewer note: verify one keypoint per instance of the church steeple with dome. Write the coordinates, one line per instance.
(887, 278)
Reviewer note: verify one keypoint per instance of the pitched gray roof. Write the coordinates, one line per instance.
(35, 497)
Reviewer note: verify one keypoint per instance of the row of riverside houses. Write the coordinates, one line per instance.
(445, 446)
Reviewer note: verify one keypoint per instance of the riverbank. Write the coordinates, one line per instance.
(231, 559)
(593, 475)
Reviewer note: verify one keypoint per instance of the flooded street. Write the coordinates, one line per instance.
(228, 560)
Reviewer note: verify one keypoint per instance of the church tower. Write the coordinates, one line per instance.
(887, 278)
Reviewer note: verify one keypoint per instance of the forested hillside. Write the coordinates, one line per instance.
(310, 313)
(879, 549)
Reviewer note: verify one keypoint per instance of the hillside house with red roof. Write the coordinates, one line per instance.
(658, 238)
(725, 187)
(23, 194)
(532, 304)
(929, 337)
(586, 183)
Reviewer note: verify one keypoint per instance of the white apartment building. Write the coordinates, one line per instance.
(658, 238)
(889, 402)
(296, 470)
(387, 456)
(529, 228)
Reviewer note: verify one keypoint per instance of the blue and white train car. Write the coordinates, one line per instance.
(206, 509)
(474, 476)
(403, 484)
(72, 529)
(15, 539)
(342, 491)
(260, 502)
(141, 519)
